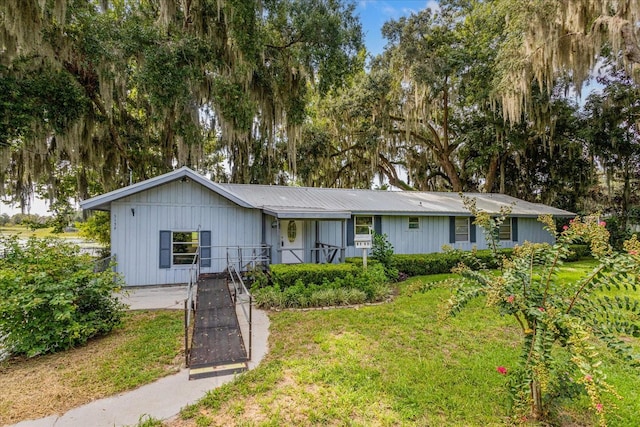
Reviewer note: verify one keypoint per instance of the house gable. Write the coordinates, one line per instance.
(184, 174)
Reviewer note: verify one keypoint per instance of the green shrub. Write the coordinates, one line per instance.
(382, 251)
(286, 275)
(355, 287)
(443, 262)
(51, 299)
(97, 227)
(579, 252)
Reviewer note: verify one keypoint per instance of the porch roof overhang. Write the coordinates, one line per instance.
(303, 213)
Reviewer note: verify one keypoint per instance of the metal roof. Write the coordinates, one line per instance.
(103, 201)
(332, 203)
(277, 198)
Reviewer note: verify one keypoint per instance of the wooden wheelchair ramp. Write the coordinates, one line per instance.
(217, 347)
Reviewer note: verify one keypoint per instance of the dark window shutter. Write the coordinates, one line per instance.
(452, 229)
(472, 230)
(165, 249)
(205, 249)
(350, 231)
(377, 224)
(514, 229)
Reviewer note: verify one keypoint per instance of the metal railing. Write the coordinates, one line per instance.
(245, 258)
(105, 263)
(326, 253)
(190, 302)
(243, 302)
(323, 253)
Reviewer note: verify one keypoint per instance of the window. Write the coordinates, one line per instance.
(414, 222)
(462, 229)
(505, 229)
(292, 231)
(184, 247)
(363, 224)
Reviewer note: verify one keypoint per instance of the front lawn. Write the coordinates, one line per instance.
(148, 346)
(399, 363)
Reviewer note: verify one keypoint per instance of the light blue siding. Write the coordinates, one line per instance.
(433, 235)
(188, 206)
(176, 206)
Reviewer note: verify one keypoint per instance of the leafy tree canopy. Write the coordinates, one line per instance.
(129, 88)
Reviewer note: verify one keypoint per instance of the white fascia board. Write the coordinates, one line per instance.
(103, 201)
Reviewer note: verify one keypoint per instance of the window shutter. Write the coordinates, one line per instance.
(165, 249)
(452, 229)
(350, 231)
(472, 229)
(514, 229)
(205, 249)
(377, 224)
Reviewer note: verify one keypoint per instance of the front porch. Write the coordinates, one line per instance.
(307, 236)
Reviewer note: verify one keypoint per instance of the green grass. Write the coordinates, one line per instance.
(147, 347)
(25, 232)
(144, 352)
(399, 363)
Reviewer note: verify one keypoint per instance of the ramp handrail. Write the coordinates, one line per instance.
(241, 295)
(102, 264)
(245, 257)
(190, 301)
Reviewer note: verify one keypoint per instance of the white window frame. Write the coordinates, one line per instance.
(463, 230)
(506, 228)
(365, 221)
(184, 255)
(416, 223)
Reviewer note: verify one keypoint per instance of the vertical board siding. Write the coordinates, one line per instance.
(176, 206)
(433, 235)
(187, 206)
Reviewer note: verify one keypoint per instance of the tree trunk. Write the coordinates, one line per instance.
(451, 172)
(536, 400)
(492, 173)
(626, 197)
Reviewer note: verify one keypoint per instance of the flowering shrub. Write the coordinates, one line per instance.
(560, 322)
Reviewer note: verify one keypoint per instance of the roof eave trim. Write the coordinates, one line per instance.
(103, 201)
(307, 215)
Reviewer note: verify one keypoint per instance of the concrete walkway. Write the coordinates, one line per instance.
(164, 398)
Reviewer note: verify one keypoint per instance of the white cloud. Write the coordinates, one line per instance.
(433, 5)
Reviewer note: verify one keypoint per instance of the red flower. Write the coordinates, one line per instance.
(541, 309)
(602, 223)
(588, 377)
(501, 370)
(511, 298)
(633, 252)
(599, 407)
(565, 227)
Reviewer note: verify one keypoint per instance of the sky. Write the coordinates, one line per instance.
(373, 14)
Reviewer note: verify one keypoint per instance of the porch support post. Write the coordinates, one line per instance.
(316, 241)
(279, 245)
(344, 235)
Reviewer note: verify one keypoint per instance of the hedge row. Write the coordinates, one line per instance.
(355, 287)
(286, 275)
(443, 262)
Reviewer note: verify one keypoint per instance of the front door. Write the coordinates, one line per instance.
(292, 241)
